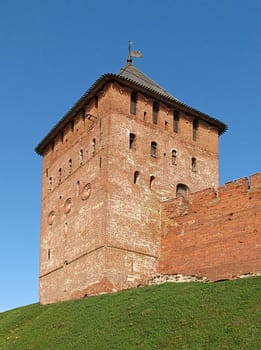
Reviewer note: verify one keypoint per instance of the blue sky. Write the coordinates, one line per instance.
(206, 53)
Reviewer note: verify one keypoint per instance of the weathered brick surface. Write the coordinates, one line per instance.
(100, 231)
(71, 280)
(216, 234)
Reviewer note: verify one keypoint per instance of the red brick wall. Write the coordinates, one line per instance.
(215, 233)
(205, 149)
(73, 242)
(111, 240)
(133, 220)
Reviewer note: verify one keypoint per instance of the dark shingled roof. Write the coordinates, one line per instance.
(130, 72)
(128, 75)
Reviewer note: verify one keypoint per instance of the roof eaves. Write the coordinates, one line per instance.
(110, 77)
(221, 126)
(74, 109)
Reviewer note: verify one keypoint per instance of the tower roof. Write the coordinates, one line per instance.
(132, 77)
(130, 72)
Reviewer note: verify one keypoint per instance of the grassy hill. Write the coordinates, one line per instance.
(225, 315)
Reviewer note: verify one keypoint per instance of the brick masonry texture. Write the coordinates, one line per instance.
(215, 233)
(109, 220)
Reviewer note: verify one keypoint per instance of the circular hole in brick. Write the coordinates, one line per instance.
(86, 191)
(68, 205)
(51, 217)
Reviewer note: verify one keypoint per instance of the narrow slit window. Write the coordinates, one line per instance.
(174, 157)
(194, 164)
(78, 187)
(50, 183)
(81, 156)
(132, 141)
(176, 122)
(70, 165)
(155, 112)
(133, 103)
(136, 177)
(93, 146)
(60, 175)
(65, 227)
(152, 179)
(195, 129)
(49, 254)
(153, 149)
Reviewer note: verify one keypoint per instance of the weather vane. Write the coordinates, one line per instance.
(133, 53)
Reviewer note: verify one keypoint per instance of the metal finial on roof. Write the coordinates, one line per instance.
(129, 60)
(133, 53)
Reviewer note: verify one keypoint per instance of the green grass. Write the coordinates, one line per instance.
(225, 315)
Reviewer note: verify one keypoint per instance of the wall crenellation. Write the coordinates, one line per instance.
(214, 233)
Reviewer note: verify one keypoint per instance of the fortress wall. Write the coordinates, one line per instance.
(75, 279)
(128, 268)
(214, 233)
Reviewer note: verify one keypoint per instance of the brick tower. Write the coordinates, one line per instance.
(122, 149)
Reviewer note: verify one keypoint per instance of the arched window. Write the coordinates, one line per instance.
(153, 149)
(133, 103)
(176, 122)
(174, 157)
(182, 191)
(195, 129)
(132, 141)
(136, 177)
(155, 112)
